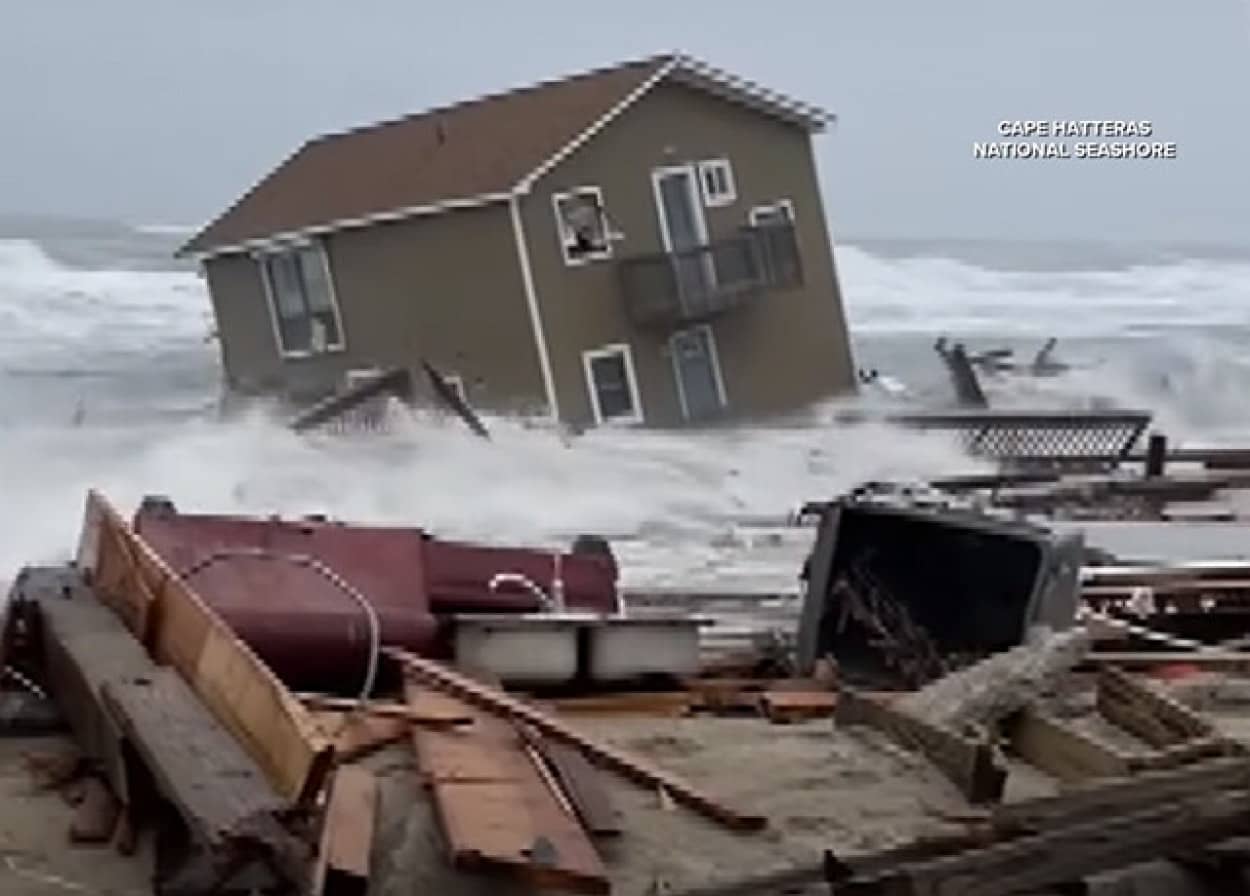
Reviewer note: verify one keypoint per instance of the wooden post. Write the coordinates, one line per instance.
(1156, 455)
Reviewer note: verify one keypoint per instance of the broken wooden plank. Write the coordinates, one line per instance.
(1121, 795)
(1225, 660)
(496, 702)
(380, 708)
(342, 867)
(1144, 711)
(580, 782)
(781, 707)
(496, 811)
(183, 631)
(204, 772)
(1069, 853)
(971, 765)
(1061, 750)
(84, 646)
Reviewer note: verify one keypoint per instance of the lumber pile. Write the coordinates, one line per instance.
(184, 734)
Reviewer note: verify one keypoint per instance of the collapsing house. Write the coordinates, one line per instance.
(640, 244)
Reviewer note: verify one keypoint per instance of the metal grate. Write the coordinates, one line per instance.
(1041, 438)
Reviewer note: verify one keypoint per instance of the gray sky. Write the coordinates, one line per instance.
(163, 111)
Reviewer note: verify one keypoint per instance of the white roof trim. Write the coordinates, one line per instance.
(524, 184)
(700, 74)
(399, 214)
(811, 117)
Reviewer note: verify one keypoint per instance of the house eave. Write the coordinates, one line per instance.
(287, 237)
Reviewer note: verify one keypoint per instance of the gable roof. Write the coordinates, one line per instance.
(468, 154)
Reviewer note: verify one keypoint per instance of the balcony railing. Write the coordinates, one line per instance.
(668, 288)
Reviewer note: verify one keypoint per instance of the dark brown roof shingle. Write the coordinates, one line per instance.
(480, 147)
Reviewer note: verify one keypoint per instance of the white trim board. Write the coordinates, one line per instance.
(713, 358)
(288, 237)
(623, 349)
(535, 312)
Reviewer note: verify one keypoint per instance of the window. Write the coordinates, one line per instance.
(716, 177)
(301, 299)
(582, 225)
(779, 212)
(612, 385)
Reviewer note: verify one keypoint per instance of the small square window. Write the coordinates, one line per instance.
(716, 178)
(582, 225)
(776, 213)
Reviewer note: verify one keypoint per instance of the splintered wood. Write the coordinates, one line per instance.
(496, 808)
(342, 867)
(169, 618)
(500, 704)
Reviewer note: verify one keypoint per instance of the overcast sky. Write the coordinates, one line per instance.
(163, 111)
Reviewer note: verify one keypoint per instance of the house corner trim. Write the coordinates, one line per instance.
(535, 313)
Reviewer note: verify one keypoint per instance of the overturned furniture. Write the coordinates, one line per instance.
(905, 592)
(315, 598)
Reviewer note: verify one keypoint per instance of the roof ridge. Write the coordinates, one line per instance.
(656, 59)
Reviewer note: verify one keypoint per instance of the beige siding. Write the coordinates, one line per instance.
(446, 288)
(786, 351)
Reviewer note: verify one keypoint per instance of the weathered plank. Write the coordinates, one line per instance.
(971, 765)
(1122, 795)
(495, 809)
(795, 706)
(380, 709)
(1139, 708)
(183, 631)
(217, 788)
(342, 867)
(1071, 852)
(580, 782)
(498, 703)
(84, 646)
(1061, 750)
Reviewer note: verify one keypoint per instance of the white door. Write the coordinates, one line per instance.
(683, 229)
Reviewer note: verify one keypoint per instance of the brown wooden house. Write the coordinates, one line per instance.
(644, 243)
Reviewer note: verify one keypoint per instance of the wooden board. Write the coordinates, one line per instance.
(217, 788)
(84, 647)
(342, 867)
(796, 706)
(581, 784)
(969, 764)
(1061, 750)
(1146, 712)
(380, 709)
(500, 704)
(183, 631)
(496, 810)
(1067, 854)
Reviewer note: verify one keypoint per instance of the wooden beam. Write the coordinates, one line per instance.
(382, 709)
(1062, 751)
(1069, 853)
(971, 765)
(1151, 715)
(580, 782)
(342, 867)
(183, 631)
(781, 707)
(496, 811)
(498, 703)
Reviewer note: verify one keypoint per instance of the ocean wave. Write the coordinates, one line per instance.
(106, 376)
